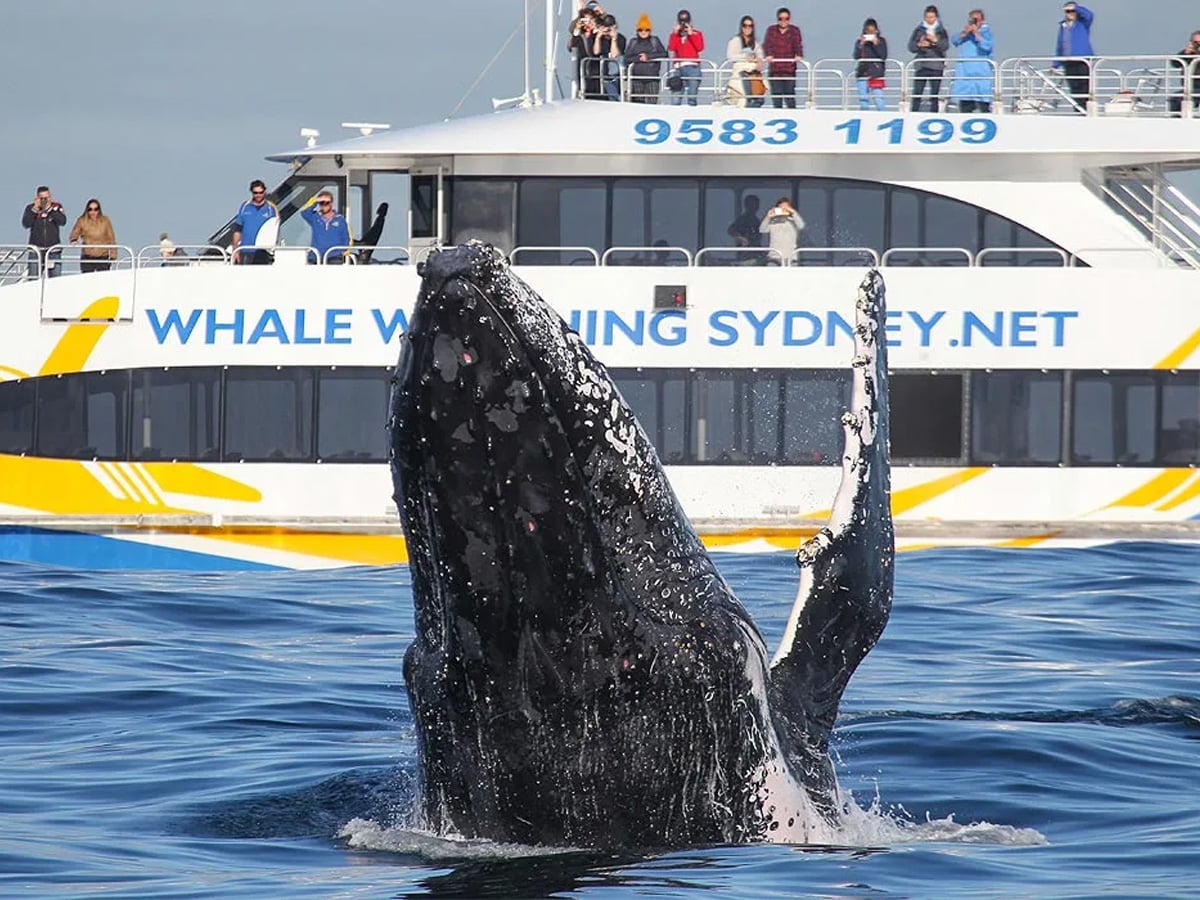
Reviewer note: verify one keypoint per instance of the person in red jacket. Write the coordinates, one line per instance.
(782, 46)
(685, 44)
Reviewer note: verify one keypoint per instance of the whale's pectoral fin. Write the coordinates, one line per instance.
(846, 571)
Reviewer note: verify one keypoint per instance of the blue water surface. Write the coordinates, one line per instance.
(1027, 727)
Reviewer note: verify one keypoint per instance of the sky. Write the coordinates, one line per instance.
(165, 110)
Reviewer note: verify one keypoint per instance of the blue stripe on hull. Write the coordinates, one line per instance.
(75, 550)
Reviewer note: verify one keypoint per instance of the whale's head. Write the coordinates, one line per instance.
(566, 612)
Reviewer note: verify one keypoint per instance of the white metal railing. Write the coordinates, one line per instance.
(738, 256)
(927, 256)
(1159, 210)
(362, 254)
(155, 256)
(1055, 256)
(579, 254)
(1031, 85)
(69, 259)
(660, 255)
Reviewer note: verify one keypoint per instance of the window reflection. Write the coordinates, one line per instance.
(926, 416)
(176, 414)
(268, 414)
(1016, 417)
(84, 415)
(1180, 436)
(352, 414)
(17, 400)
(1114, 419)
(482, 210)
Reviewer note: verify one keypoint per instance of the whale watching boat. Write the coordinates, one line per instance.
(1043, 286)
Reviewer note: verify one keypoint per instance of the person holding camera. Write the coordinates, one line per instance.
(686, 44)
(974, 74)
(782, 225)
(1187, 62)
(608, 46)
(642, 56)
(582, 44)
(929, 43)
(1075, 40)
(43, 217)
(871, 52)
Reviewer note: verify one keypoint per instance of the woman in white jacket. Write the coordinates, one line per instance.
(747, 55)
(782, 224)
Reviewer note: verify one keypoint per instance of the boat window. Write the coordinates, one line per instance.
(17, 399)
(858, 219)
(84, 415)
(1016, 417)
(1180, 418)
(561, 212)
(1114, 419)
(733, 210)
(735, 417)
(422, 204)
(176, 414)
(656, 212)
(905, 224)
(813, 407)
(268, 413)
(351, 414)
(483, 210)
(926, 416)
(640, 392)
(673, 419)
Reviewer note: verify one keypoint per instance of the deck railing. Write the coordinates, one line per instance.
(1153, 86)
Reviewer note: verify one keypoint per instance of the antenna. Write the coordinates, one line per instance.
(310, 135)
(365, 128)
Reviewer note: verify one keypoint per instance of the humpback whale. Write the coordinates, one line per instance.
(581, 674)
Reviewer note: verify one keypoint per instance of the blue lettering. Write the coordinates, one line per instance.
(334, 323)
(835, 323)
(925, 326)
(589, 328)
(717, 323)
(269, 326)
(573, 321)
(388, 329)
(760, 325)
(993, 335)
(212, 326)
(891, 327)
(791, 319)
(174, 322)
(1018, 327)
(635, 332)
(677, 334)
(1059, 318)
(301, 337)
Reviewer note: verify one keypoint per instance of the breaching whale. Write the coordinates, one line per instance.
(581, 674)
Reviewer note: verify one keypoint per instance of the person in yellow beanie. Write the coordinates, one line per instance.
(642, 55)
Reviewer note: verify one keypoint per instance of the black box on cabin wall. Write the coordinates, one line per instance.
(670, 296)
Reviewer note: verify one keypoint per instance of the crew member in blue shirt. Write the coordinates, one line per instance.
(1075, 40)
(329, 230)
(250, 218)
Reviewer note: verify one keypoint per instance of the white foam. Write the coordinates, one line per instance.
(873, 827)
(364, 834)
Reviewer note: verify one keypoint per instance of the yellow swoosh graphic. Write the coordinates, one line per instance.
(1190, 492)
(1155, 489)
(1176, 357)
(71, 352)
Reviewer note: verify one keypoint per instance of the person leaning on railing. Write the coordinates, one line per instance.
(91, 229)
(1187, 61)
(642, 55)
(686, 43)
(746, 85)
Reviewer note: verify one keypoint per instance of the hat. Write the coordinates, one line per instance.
(684, 16)
(166, 246)
(643, 23)
(1069, 6)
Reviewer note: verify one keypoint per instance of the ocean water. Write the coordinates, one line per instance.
(1029, 726)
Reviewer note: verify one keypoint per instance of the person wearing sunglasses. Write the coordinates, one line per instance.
(783, 45)
(1075, 40)
(330, 230)
(746, 85)
(251, 216)
(642, 55)
(94, 230)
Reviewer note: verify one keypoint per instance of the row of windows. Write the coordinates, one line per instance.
(709, 212)
(694, 417)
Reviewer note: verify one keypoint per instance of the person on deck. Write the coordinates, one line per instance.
(94, 230)
(929, 43)
(974, 74)
(871, 51)
(250, 218)
(686, 44)
(1075, 40)
(642, 56)
(44, 217)
(783, 45)
(1187, 61)
(782, 225)
(330, 230)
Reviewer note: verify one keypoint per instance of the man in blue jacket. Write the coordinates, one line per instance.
(1075, 39)
(330, 230)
